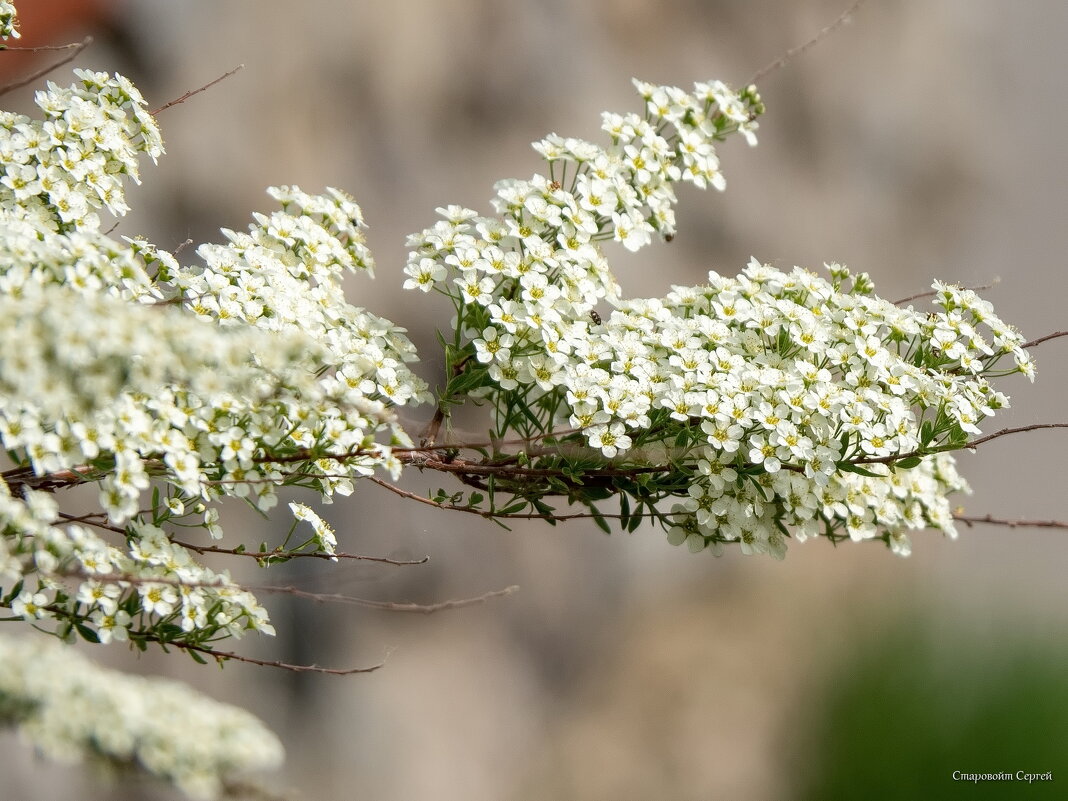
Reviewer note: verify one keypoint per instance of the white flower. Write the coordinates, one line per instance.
(31, 605)
(111, 626)
(324, 534)
(611, 439)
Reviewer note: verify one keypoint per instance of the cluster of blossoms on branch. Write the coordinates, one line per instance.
(59, 170)
(776, 405)
(8, 21)
(123, 369)
(752, 410)
(120, 367)
(73, 711)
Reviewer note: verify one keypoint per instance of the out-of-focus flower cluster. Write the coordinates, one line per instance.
(9, 23)
(61, 169)
(71, 710)
(120, 367)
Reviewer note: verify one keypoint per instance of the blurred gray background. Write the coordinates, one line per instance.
(925, 139)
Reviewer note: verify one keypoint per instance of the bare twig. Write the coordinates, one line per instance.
(996, 521)
(487, 444)
(222, 656)
(251, 792)
(1040, 340)
(1018, 430)
(40, 48)
(74, 48)
(793, 52)
(268, 555)
(931, 293)
(490, 515)
(96, 519)
(975, 443)
(391, 606)
(192, 92)
(430, 433)
(222, 583)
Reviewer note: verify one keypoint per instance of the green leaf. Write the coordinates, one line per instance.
(87, 633)
(783, 529)
(476, 498)
(14, 592)
(596, 493)
(849, 467)
(909, 463)
(926, 433)
(635, 521)
(598, 518)
(544, 509)
(465, 382)
(958, 438)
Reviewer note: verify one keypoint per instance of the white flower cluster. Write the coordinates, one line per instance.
(72, 710)
(58, 171)
(784, 401)
(803, 405)
(8, 21)
(285, 275)
(118, 366)
(65, 360)
(523, 283)
(325, 538)
(812, 406)
(152, 589)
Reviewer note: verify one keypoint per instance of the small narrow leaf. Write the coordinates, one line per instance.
(849, 467)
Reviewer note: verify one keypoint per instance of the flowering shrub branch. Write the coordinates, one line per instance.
(755, 410)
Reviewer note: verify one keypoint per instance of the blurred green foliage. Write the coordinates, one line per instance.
(902, 713)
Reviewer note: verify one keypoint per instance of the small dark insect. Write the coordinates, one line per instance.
(669, 237)
(595, 317)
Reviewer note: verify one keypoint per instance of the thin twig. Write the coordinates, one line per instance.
(1006, 431)
(430, 433)
(488, 444)
(221, 582)
(222, 656)
(489, 515)
(268, 555)
(202, 549)
(92, 519)
(391, 606)
(997, 521)
(75, 49)
(39, 48)
(931, 293)
(975, 443)
(192, 92)
(792, 53)
(1040, 340)
(251, 792)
